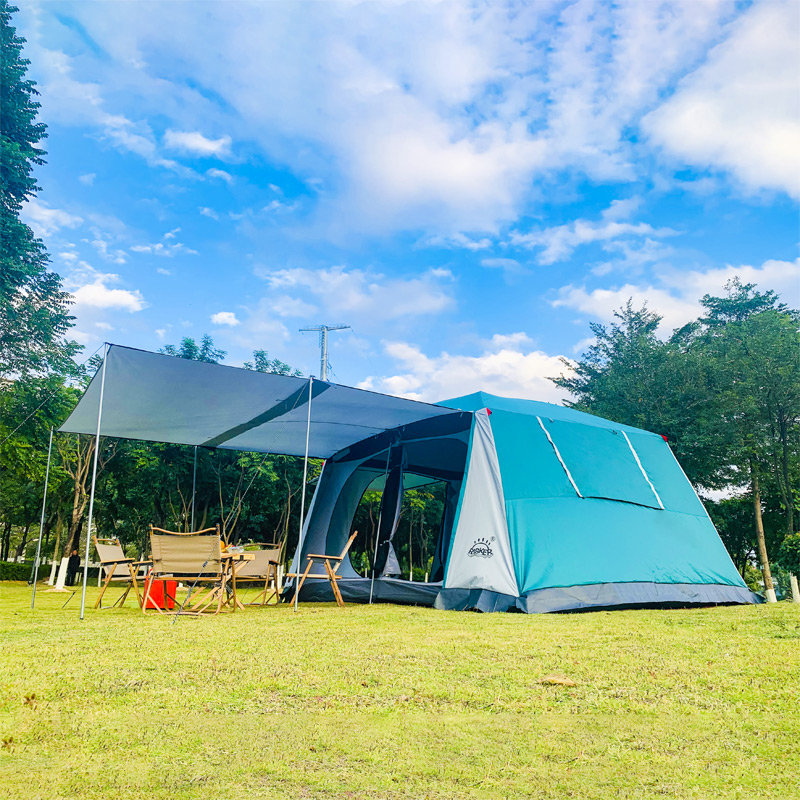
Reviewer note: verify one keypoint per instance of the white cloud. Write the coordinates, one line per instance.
(740, 110)
(208, 212)
(162, 271)
(88, 178)
(95, 290)
(225, 318)
(675, 295)
(506, 366)
(195, 143)
(366, 295)
(45, 220)
(443, 137)
(167, 248)
(220, 174)
(560, 242)
(509, 266)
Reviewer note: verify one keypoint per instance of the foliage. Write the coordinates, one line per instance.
(789, 554)
(10, 571)
(33, 307)
(724, 390)
(188, 348)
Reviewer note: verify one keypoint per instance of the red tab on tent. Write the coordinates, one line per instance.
(664, 438)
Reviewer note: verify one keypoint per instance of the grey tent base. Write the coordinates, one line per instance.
(386, 590)
(597, 596)
(541, 601)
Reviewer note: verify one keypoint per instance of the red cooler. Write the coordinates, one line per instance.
(159, 592)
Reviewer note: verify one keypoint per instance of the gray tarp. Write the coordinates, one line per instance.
(161, 398)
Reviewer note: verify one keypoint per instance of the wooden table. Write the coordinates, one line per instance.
(230, 562)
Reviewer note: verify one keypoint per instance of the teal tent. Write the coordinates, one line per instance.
(548, 509)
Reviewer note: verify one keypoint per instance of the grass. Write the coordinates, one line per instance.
(389, 702)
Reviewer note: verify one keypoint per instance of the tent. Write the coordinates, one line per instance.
(546, 508)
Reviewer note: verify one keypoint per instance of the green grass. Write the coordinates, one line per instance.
(391, 701)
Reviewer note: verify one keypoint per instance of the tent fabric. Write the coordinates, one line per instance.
(480, 557)
(160, 398)
(555, 510)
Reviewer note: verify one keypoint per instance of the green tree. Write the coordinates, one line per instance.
(33, 306)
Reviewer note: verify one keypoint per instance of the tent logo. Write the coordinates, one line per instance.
(481, 548)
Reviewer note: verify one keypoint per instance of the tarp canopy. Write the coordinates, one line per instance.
(160, 398)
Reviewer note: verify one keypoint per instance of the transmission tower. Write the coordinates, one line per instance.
(323, 345)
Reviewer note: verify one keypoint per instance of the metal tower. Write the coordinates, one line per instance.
(323, 345)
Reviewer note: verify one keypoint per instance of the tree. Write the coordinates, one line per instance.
(189, 349)
(33, 307)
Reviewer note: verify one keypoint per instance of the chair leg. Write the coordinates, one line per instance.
(302, 580)
(337, 595)
(135, 585)
(105, 586)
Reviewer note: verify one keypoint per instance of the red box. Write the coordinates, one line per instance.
(157, 593)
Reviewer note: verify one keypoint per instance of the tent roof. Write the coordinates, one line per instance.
(533, 408)
(160, 398)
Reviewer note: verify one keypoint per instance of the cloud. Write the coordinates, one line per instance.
(220, 174)
(225, 318)
(675, 295)
(445, 137)
(167, 248)
(45, 220)
(91, 290)
(509, 266)
(507, 366)
(560, 242)
(740, 110)
(208, 212)
(88, 178)
(194, 143)
(363, 294)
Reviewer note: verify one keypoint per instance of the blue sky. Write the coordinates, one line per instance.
(467, 185)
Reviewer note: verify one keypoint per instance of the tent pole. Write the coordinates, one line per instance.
(194, 484)
(303, 491)
(380, 517)
(41, 523)
(94, 482)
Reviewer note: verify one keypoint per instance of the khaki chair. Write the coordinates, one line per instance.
(118, 568)
(331, 565)
(260, 570)
(195, 558)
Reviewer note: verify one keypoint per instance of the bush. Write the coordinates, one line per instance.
(15, 572)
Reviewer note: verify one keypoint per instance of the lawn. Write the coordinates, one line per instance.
(390, 701)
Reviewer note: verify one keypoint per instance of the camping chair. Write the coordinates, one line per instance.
(119, 568)
(331, 565)
(260, 570)
(194, 557)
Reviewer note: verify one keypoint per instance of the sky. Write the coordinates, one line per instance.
(467, 185)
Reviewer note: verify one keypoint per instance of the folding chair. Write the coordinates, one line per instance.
(331, 565)
(260, 570)
(117, 568)
(194, 557)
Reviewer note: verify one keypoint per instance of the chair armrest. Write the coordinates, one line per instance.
(142, 563)
(325, 558)
(117, 561)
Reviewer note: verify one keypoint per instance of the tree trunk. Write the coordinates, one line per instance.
(769, 587)
(5, 543)
(23, 542)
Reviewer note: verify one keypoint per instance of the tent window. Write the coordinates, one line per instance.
(601, 463)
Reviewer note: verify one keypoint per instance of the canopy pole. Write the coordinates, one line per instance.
(303, 491)
(380, 517)
(194, 483)
(94, 482)
(41, 522)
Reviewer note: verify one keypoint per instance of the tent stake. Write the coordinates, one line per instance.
(194, 483)
(94, 482)
(380, 517)
(41, 523)
(303, 491)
